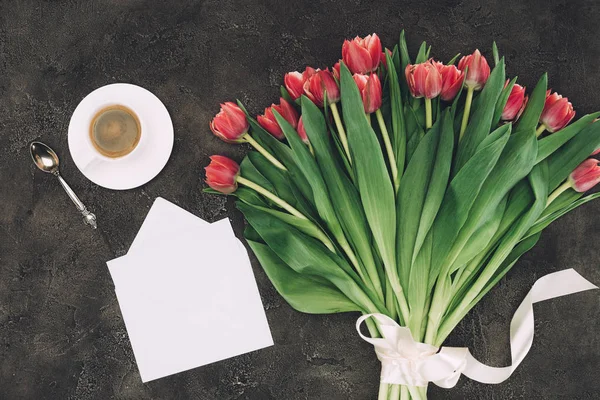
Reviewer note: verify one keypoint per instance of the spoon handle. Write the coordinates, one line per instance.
(88, 217)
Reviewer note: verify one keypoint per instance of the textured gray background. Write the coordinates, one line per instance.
(61, 332)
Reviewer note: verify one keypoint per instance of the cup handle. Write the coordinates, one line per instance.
(91, 161)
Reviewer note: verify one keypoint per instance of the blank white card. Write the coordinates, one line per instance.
(187, 294)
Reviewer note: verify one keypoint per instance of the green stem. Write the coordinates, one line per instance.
(277, 200)
(390, 300)
(540, 130)
(404, 394)
(395, 393)
(357, 266)
(263, 151)
(423, 327)
(467, 302)
(464, 273)
(389, 149)
(428, 114)
(341, 131)
(558, 192)
(384, 389)
(286, 206)
(415, 393)
(402, 303)
(465, 119)
(434, 317)
(372, 328)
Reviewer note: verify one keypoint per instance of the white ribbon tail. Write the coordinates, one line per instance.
(406, 362)
(548, 287)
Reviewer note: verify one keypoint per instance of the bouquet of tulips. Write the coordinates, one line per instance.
(406, 187)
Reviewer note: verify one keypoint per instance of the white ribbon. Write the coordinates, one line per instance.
(406, 362)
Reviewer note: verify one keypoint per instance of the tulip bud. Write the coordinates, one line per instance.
(558, 112)
(294, 81)
(478, 70)
(302, 131)
(230, 123)
(452, 80)
(269, 122)
(585, 176)
(294, 84)
(222, 174)
(319, 85)
(383, 57)
(370, 91)
(424, 80)
(336, 70)
(515, 104)
(360, 55)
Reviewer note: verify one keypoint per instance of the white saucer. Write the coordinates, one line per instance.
(146, 160)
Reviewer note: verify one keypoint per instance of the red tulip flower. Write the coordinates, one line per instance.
(360, 55)
(478, 72)
(585, 176)
(294, 81)
(222, 174)
(269, 122)
(320, 84)
(596, 151)
(558, 112)
(424, 80)
(516, 103)
(452, 80)
(370, 91)
(230, 123)
(302, 131)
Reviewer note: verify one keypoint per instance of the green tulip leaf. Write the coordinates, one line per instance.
(249, 171)
(564, 160)
(307, 164)
(404, 61)
(306, 255)
(495, 54)
(344, 195)
(502, 100)
(282, 184)
(531, 115)
(397, 113)
(549, 144)
(374, 183)
(460, 197)
(282, 152)
(544, 222)
(302, 292)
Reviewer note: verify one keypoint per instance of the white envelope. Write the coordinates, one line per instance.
(187, 294)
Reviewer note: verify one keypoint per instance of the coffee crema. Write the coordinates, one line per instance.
(115, 131)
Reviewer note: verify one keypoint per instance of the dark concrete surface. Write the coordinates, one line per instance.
(61, 331)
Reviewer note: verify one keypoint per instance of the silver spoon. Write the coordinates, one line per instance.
(47, 160)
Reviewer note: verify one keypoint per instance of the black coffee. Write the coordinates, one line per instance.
(115, 131)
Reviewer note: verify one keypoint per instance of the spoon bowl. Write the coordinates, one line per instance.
(44, 157)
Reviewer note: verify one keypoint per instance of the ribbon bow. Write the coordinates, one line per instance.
(407, 362)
